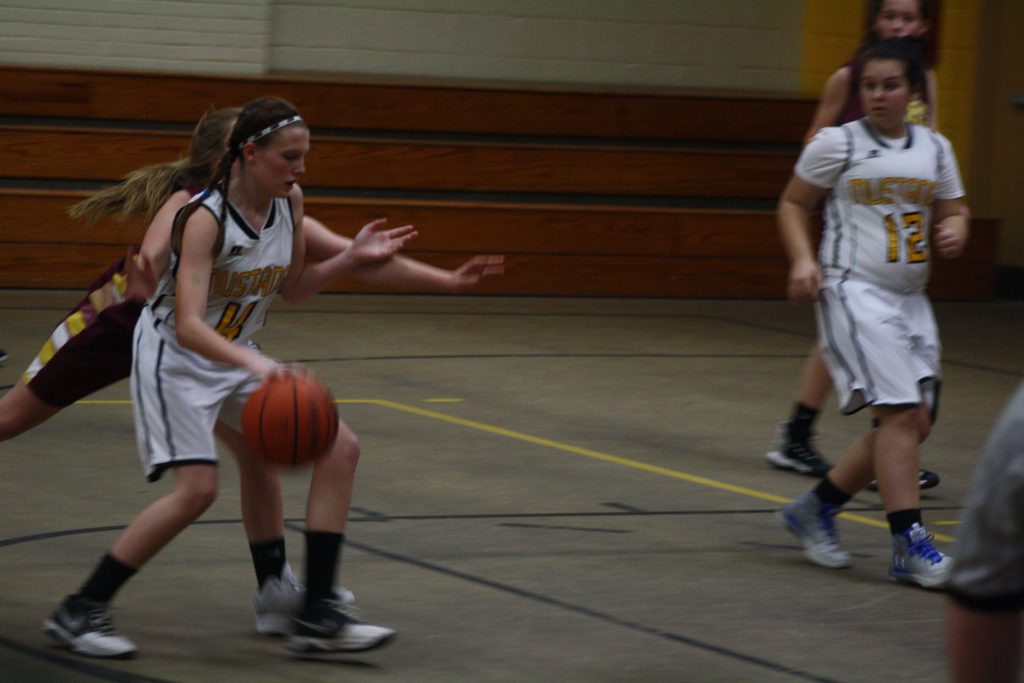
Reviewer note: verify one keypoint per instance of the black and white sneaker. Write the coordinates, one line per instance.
(86, 627)
(926, 479)
(3, 356)
(280, 600)
(797, 456)
(328, 627)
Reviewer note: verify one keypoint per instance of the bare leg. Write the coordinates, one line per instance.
(815, 381)
(856, 466)
(330, 492)
(21, 410)
(262, 507)
(195, 488)
(897, 455)
(984, 647)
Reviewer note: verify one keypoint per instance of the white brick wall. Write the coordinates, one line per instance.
(220, 36)
(720, 44)
(731, 44)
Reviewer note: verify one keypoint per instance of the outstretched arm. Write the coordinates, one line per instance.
(374, 242)
(401, 272)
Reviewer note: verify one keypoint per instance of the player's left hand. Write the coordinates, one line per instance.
(948, 242)
(375, 242)
(476, 269)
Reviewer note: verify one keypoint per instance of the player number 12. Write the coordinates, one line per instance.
(913, 222)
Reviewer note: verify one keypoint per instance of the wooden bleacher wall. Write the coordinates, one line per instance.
(585, 194)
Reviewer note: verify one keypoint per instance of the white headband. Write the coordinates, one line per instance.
(270, 129)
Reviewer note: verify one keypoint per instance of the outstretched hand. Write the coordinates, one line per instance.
(375, 243)
(476, 269)
(140, 276)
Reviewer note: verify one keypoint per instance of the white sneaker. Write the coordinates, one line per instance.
(280, 600)
(811, 521)
(86, 627)
(915, 560)
(329, 628)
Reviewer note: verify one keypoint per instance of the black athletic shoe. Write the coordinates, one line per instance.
(3, 356)
(926, 479)
(86, 628)
(798, 456)
(328, 627)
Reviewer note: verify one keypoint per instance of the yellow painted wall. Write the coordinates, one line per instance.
(833, 30)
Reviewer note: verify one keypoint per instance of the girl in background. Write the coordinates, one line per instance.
(893, 198)
(840, 103)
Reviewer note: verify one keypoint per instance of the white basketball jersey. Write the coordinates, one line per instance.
(247, 273)
(879, 210)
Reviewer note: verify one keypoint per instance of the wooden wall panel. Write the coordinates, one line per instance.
(164, 97)
(99, 154)
(550, 199)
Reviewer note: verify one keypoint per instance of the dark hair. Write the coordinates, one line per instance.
(146, 189)
(255, 117)
(928, 9)
(903, 50)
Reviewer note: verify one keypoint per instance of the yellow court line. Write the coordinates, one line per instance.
(625, 462)
(597, 455)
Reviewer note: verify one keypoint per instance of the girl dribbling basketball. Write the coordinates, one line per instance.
(236, 247)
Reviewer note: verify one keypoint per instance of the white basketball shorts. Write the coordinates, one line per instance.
(178, 396)
(881, 347)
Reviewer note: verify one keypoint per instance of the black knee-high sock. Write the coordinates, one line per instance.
(901, 520)
(323, 555)
(801, 422)
(829, 493)
(268, 559)
(108, 577)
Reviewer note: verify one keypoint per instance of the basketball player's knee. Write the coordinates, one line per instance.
(197, 492)
(904, 418)
(199, 498)
(351, 450)
(924, 424)
(345, 453)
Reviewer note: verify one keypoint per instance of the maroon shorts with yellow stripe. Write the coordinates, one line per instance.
(91, 348)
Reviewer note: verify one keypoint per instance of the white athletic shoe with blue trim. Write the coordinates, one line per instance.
(916, 561)
(811, 521)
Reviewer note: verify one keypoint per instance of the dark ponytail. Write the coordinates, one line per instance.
(257, 123)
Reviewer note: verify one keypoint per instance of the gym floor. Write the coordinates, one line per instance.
(550, 490)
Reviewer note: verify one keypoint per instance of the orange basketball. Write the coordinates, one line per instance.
(291, 419)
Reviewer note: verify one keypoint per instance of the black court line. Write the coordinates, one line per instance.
(552, 354)
(295, 525)
(78, 665)
(595, 614)
(560, 527)
(378, 517)
(627, 356)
